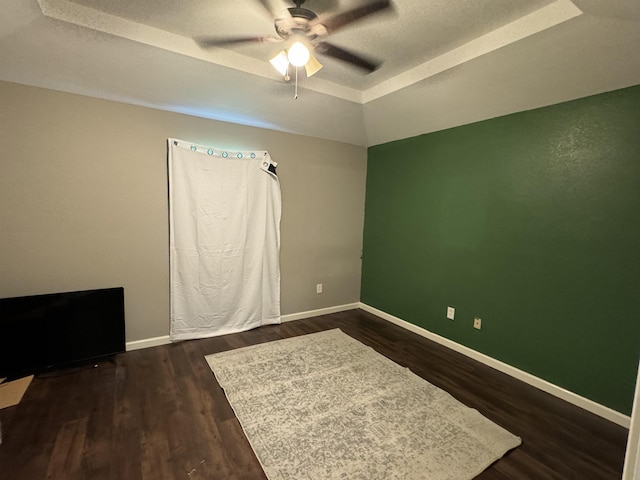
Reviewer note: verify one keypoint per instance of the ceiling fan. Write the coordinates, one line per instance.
(305, 30)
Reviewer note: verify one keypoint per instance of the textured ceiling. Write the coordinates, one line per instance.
(409, 35)
(444, 63)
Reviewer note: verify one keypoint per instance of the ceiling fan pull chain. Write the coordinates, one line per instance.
(295, 97)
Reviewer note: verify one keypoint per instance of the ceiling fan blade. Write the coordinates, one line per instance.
(339, 53)
(345, 18)
(207, 42)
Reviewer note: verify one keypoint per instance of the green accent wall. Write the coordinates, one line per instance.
(530, 221)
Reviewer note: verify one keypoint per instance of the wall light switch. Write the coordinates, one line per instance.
(451, 313)
(319, 288)
(477, 323)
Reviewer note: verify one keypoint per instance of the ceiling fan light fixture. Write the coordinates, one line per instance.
(280, 62)
(313, 66)
(298, 54)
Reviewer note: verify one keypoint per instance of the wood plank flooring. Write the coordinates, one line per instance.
(159, 414)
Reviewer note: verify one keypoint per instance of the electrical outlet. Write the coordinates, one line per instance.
(319, 288)
(451, 313)
(477, 323)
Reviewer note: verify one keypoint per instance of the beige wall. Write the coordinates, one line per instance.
(83, 203)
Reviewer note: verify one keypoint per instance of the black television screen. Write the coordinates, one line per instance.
(40, 332)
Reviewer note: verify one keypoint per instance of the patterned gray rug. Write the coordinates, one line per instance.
(324, 406)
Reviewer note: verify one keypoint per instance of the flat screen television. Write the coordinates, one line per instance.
(41, 332)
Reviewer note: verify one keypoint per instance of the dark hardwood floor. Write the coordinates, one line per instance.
(159, 414)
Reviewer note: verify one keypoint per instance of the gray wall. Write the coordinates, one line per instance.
(83, 203)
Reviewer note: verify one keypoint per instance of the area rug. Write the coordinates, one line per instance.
(324, 406)
(11, 393)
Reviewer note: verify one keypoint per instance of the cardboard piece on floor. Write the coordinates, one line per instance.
(11, 392)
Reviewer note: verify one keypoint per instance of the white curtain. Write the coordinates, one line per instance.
(224, 222)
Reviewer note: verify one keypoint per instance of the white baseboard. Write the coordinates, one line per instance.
(575, 399)
(164, 340)
(148, 342)
(321, 311)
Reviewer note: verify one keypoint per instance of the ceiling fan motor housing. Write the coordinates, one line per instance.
(299, 22)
